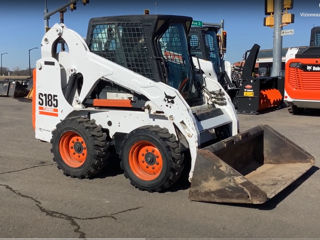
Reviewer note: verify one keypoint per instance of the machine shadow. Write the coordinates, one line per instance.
(309, 112)
(273, 202)
(24, 100)
(112, 168)
(265, 111)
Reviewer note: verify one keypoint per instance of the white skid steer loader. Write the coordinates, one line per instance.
(208, 46)
(132, 86)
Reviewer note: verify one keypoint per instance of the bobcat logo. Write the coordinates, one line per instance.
(169, 99)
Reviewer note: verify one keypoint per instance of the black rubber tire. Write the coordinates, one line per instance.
(293, 109)
(97, 147)
(169, 148)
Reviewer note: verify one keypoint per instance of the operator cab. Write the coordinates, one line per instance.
(154, 46)
(315, 37)
(204, 44)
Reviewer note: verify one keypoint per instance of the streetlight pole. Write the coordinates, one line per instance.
(277, 39)
(29, 59)
(1, 60)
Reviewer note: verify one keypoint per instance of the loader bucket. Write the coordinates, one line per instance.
(4, 88)
(251, 167)
(14, 89)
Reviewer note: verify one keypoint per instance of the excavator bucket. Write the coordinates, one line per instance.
(251, 167)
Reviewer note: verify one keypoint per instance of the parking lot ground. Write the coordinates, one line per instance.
(37, 200)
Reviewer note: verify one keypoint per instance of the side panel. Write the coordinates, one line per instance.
(50, 104)
(302, 103)
(126, 121)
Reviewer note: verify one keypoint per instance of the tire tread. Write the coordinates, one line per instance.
(100, 144)
(173, 148)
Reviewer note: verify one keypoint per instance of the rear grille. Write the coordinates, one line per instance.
(294, 78)
(301, 80)
(310, 81)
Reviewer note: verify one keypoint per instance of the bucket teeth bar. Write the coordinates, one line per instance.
(269, 98)
(250, 167)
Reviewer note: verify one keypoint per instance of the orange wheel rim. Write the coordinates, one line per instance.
(145, 160)
(73, 149)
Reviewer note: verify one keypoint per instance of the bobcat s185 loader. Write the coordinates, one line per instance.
(132, 86)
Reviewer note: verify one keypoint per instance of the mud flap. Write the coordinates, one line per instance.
(250, 167)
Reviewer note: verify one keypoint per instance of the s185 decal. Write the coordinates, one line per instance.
(48, 100)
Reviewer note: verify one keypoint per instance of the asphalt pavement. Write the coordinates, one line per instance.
(38, 201)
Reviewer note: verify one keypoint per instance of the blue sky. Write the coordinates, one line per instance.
(22, 24)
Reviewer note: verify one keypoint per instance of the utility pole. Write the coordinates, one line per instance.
(277, 39)
(29, 59)
(61, 10)
(1, 60)
(46, 20)
(277, 17)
